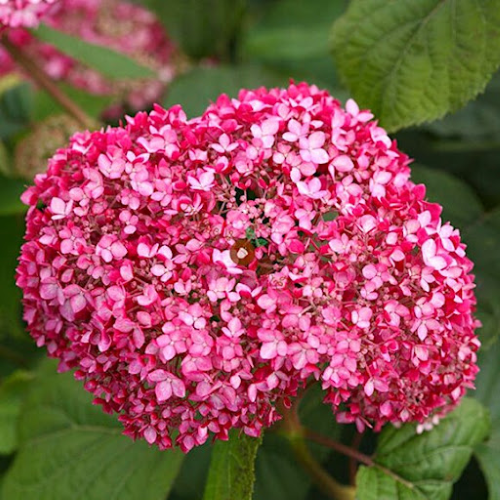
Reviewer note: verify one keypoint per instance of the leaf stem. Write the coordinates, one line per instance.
(46, 82)
(339, 447)
(354, 454)
(294, 432)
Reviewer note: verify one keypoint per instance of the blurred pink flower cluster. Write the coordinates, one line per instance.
(196, 273)
(23, 13)
(116, 24)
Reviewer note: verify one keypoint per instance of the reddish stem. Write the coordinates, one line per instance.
(45, 82)
(295, 434)
(353, 463)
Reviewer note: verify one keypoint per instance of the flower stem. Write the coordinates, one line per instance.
(323, 480)
(353, 463)
(294, 433)
(45, 82)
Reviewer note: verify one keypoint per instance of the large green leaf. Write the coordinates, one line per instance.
(483, 240)
(202, 27)
(373, 484)
(231, 474)
(477, 124)
(488, 379)
(300, 43)
(202, 85)
(488, 388)
(293, 30)
(110, 63)
(4, 160)
(71, 449)
(193, 475)
(424, 466)
(15, 109)
(9, 81)
(413, 61)
(292, 36)
(278, 475)
(11, 236)
(12, 391)
(488, 456)
(44, 104)
(10, 196)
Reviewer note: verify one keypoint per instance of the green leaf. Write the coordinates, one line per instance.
(278, 475)
(292, 36)
(71, 449)
(108, 62)
(477, 122)
(411, 61)
(373, 484)
(192, 477)
(10, 196)
(9, 81)
(15, 109)
(488, 379)
(202, 28)
(461, 206)
(202, 85)
(231, 474)
(4, 160)
(300, 43)
(11, 234)
(487, 390)
(292, 30)
(45, 105)
(488, 456)
(12, 391)
(425, 466)
(483, 240)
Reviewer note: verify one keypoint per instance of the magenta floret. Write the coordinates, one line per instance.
(23, 13)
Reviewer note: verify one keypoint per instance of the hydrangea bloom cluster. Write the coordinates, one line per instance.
(196, 273)
(122, 26)
(23, 13)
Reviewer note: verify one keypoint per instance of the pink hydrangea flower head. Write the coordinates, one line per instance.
(196, 273)
(116, 24)
(23, 13)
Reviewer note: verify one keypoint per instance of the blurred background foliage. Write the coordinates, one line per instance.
(222, 46)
